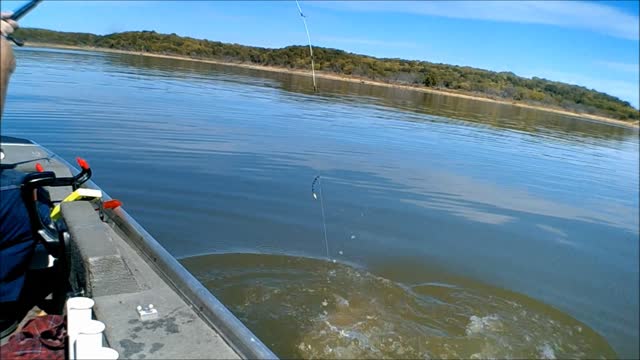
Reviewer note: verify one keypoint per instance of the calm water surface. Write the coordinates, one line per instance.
(458, 228)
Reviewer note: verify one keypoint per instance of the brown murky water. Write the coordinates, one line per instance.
(316, 309)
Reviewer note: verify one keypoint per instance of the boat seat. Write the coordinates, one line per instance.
(50, 259)
(44, 232)
(51, 235)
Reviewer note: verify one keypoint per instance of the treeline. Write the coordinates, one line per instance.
(497, 85)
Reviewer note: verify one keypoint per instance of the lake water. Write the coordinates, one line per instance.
(455, 228)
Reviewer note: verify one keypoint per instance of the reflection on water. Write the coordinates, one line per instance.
(418, 188)
(330, 310)
(482, 112)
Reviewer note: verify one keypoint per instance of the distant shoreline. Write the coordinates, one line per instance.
(330, 76)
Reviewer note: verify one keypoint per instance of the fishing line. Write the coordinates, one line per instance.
(324, 222)
(313, 72)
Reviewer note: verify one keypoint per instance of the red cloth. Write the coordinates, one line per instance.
(41, 338)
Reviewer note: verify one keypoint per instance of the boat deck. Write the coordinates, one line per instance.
(120, 280)
(121, 270)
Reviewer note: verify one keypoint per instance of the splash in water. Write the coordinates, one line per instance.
(290, 305)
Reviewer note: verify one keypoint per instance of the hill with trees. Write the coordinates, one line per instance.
(461, 79)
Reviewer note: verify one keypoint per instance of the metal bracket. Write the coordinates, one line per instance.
(147, 312)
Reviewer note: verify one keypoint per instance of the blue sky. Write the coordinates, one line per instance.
(594, 44)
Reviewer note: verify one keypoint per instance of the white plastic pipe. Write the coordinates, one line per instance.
(89, 339)
(104, 353)
(78, 313)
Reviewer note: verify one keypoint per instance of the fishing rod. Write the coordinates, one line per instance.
(24, 10)
(18, 14)
(313, 72)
